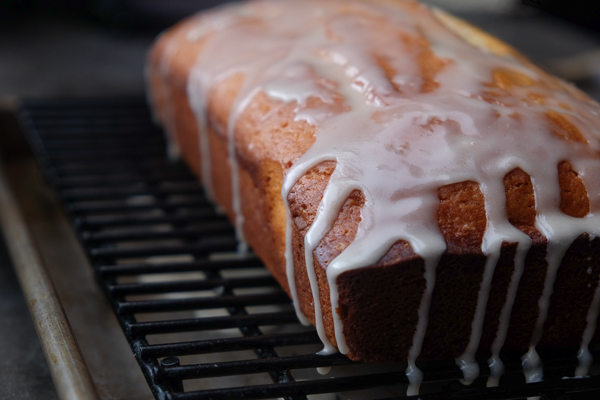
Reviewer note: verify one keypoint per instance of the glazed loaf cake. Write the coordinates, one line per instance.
(419, 188)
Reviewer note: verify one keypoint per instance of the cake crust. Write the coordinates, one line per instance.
(379, 303)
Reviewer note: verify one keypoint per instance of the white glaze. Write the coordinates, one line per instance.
(236, 201)
(197, 103)
(495, 362)
(413, 373)
(499, 230)
(289, 259)
(168, 117)
(532, 366)
(466, 362)
(584, 356)
(397, 144)
(532, 363)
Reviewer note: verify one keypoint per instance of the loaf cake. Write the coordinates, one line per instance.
(418, 187)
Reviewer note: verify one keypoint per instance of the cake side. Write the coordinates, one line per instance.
(269, 140)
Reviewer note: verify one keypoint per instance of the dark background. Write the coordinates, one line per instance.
(98, 47)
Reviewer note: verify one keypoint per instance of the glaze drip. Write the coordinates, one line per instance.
(583, 355)
(495, 362)
(406, 106)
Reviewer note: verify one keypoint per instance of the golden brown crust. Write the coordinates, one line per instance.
(379, 300)
(520, 199)
(475, 36)
(574, 199)
(461, 216)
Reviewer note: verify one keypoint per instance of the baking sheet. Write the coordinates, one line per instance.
(105, 352)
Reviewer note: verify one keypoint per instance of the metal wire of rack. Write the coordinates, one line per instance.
(203, 322)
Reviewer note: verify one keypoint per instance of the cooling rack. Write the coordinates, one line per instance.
(202, 321)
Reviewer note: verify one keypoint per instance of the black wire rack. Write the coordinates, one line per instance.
(204, 322)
